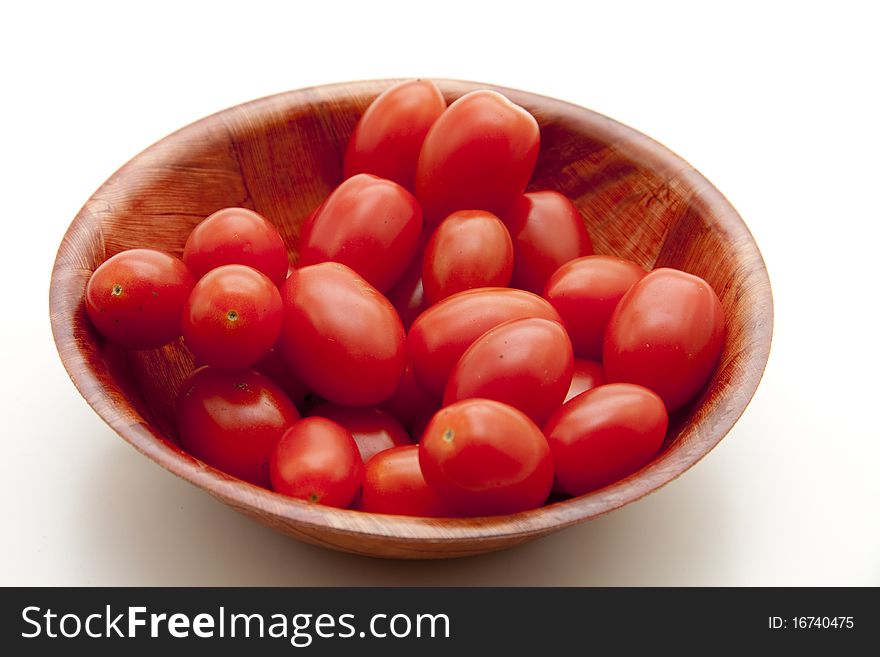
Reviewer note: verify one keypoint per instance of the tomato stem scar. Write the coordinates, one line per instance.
(232, 315)
(448, 435)
(116, 290)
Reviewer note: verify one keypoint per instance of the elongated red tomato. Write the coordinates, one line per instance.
(135, 298)
(442, 333)
(342, 338)
(232, 419)
(370, 224)
(605, 434)
(236, 236)
(666, 334)
(373, 429)
(588, 374)
(585, 292)
(469, 249)
(483, 457)
(394, 483)
(317, 460)
(479, 155)
(388, 137)
(526, 363)
(547, 231)
(232, 317)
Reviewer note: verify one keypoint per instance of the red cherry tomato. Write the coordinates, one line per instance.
(526, 363)
(233, 317)
(470, 248)
(373, 429)
(135, 298)
(394, 483)
(587, 375)
(547, 231)
(342, 338)
(479, 155)
(409, 404)
(317, 460)
(441, 334)
(666, 334)
(236, 236)
(231, 420)
(387, 138)
(585, 292)
(483, 457)
(605, 434)
(369, 224)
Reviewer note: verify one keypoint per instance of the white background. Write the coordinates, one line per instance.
(776, 103)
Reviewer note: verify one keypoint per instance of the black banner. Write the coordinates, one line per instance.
(434, 620)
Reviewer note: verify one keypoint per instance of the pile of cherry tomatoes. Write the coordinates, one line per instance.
(446, 344)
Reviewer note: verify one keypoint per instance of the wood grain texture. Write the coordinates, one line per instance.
(281, 156)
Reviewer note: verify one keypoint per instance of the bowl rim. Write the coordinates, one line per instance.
(315, 521)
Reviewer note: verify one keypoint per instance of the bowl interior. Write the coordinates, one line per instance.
(281, 156)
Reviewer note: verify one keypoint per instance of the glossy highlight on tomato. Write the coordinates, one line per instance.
(369, 224)
(469, 249)
(605, 434)
(547, 231)
(135, 298)
(236, 236)
(340, 336)
(526, 363)
(232, 317)
(394, 483)
(483, 457)
(666, 334)
(316, 460)
(441, 334)
(585, 292)
(388, 137)
(231, 420)
(479, 155)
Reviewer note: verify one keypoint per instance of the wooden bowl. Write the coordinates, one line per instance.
(281, 156)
